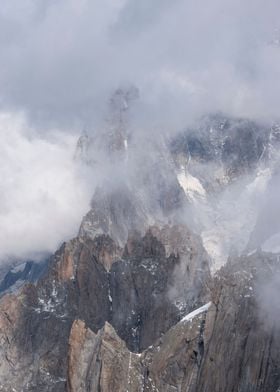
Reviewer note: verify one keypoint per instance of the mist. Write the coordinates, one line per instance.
(62, 60)
(43, 193)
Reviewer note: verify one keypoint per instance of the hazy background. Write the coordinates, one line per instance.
(61, 60)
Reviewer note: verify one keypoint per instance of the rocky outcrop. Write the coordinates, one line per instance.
(103, 362)
(243, 347)
(83, 327)
(100, 362)
(110, 143)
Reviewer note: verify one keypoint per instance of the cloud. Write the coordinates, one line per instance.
(267, 292)
(61, 59)
(42, 193)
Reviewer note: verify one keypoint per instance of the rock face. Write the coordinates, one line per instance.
(85, 328)
(102, 361)
(235, 146)
(243, 347)
(223, 346)
(96, 281)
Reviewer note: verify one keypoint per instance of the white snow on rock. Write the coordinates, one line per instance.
(125, 144)
(18, 268)
(196, 312)
(190, 184)
(228, 223)
(252, 252)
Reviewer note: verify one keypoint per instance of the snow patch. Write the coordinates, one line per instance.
(229, 222)
(252, 252)
(18, 268)
(190, 184)
(196, 312)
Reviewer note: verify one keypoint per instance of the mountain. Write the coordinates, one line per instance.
(170, 283)
(222, 346)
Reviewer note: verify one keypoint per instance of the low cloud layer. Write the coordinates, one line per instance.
(42, 193)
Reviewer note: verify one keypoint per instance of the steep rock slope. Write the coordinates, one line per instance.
(103, 362)
(231, 344)
(243, 350)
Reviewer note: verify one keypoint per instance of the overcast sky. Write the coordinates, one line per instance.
(61, 58)
(60, 61)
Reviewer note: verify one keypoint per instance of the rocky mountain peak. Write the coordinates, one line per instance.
(112, 141)
(160, 289)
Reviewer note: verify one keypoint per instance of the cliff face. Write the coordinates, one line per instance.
(226, 345)
(171, 365)
(96, 281)
(243, 350)
(100, 362)
(136, 326)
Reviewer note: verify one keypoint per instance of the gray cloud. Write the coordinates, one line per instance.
(43, 194)
(61, 59)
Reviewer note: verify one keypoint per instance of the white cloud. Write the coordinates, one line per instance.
(42, 192)
(61, 59)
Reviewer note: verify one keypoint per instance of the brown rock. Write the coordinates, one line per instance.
(100, 362)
